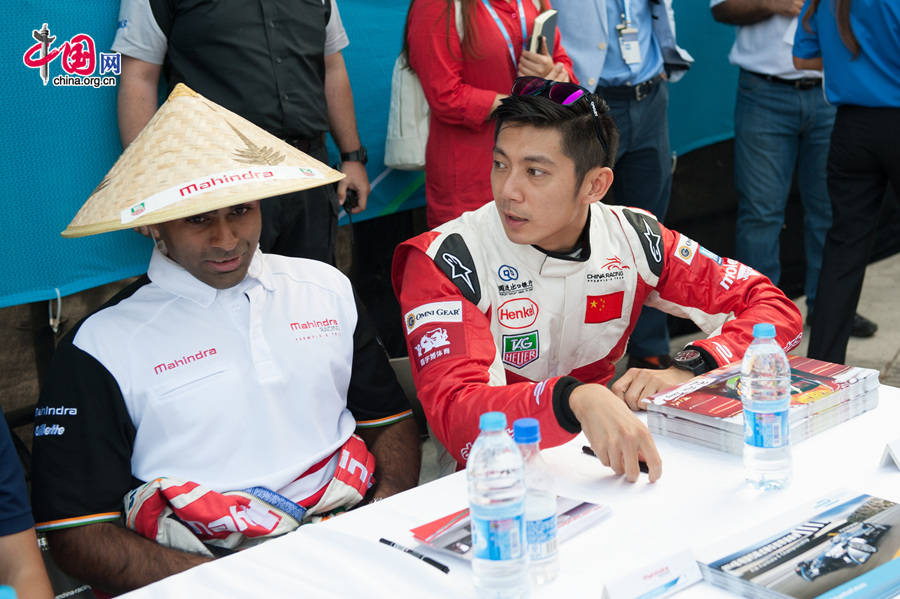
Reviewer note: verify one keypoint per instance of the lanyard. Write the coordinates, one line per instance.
(509, 45)
(626, 12)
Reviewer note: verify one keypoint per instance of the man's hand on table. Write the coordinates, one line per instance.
(639, 383)
(616, 435)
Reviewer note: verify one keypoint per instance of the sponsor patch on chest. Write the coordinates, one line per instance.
(603, 308)
(518, 313)
(315, 329)
(184, 360)
(520, 350)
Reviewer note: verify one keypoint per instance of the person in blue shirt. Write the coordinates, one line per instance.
(21, 565)
(625, 51)
(857, 43)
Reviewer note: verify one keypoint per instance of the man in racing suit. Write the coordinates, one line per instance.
(525, 306)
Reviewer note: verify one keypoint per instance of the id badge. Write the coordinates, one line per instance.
(628, 44)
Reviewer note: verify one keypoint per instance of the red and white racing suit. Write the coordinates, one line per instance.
(494, 325)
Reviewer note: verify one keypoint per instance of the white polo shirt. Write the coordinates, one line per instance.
(765, 47)
(231, 388)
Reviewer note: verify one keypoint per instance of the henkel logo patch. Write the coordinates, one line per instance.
(432, 344)
(686, 249)
(162, 367)
(517, 313)
(520, 350)
(432, 313)
(603, 308)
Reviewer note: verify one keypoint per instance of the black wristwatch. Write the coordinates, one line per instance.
(692, 360)
(359, 155)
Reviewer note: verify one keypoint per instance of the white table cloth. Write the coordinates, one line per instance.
(700, 498)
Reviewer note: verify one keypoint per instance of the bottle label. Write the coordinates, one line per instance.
(541, 535)
(767, 430)
(498, 539)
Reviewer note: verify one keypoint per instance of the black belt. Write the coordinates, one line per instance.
(627, 92)
(802, 83)
(307, 144)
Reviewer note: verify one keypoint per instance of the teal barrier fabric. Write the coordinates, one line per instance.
(59, 140)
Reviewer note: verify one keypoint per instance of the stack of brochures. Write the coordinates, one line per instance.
(843, 546)
(707, 409)
(453, 533)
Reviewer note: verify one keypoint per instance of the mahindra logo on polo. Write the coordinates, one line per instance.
(164, 366)
(517, 313)
(326, 324)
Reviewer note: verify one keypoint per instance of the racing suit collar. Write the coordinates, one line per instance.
(582, 250)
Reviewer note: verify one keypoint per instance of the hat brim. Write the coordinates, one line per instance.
(194, 156)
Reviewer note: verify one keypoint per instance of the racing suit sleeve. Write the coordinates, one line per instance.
(723, 297)
(452, 368)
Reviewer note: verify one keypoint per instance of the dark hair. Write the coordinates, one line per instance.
(842, 16)
(575, 123)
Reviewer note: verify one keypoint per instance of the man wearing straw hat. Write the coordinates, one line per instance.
(279, 65)
(224, 387)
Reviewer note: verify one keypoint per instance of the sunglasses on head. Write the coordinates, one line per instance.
(563, 94)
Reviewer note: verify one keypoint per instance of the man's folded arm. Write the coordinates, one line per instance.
(383, 415)
(115, 559)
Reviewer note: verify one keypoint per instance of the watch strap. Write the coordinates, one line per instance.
(358, 155)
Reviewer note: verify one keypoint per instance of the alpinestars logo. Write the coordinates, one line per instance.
(653, 240)
(458, 269)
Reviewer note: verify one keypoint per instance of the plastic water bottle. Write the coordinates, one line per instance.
(766, 395)
(540, 503)
(496, 479)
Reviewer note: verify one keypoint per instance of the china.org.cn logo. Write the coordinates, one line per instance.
(77, 57)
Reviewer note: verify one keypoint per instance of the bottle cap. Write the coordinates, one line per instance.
(492, 421)
(526, 430)
(764, 330)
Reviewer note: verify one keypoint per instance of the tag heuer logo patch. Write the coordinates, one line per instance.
(520, 350)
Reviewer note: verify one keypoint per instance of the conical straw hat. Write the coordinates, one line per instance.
(192, 157)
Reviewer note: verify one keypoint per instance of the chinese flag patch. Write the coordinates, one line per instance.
(602, 308)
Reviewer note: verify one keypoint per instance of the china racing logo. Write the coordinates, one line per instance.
(77, 57)
(614, 262)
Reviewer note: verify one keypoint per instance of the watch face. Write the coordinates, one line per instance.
(687, 356)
